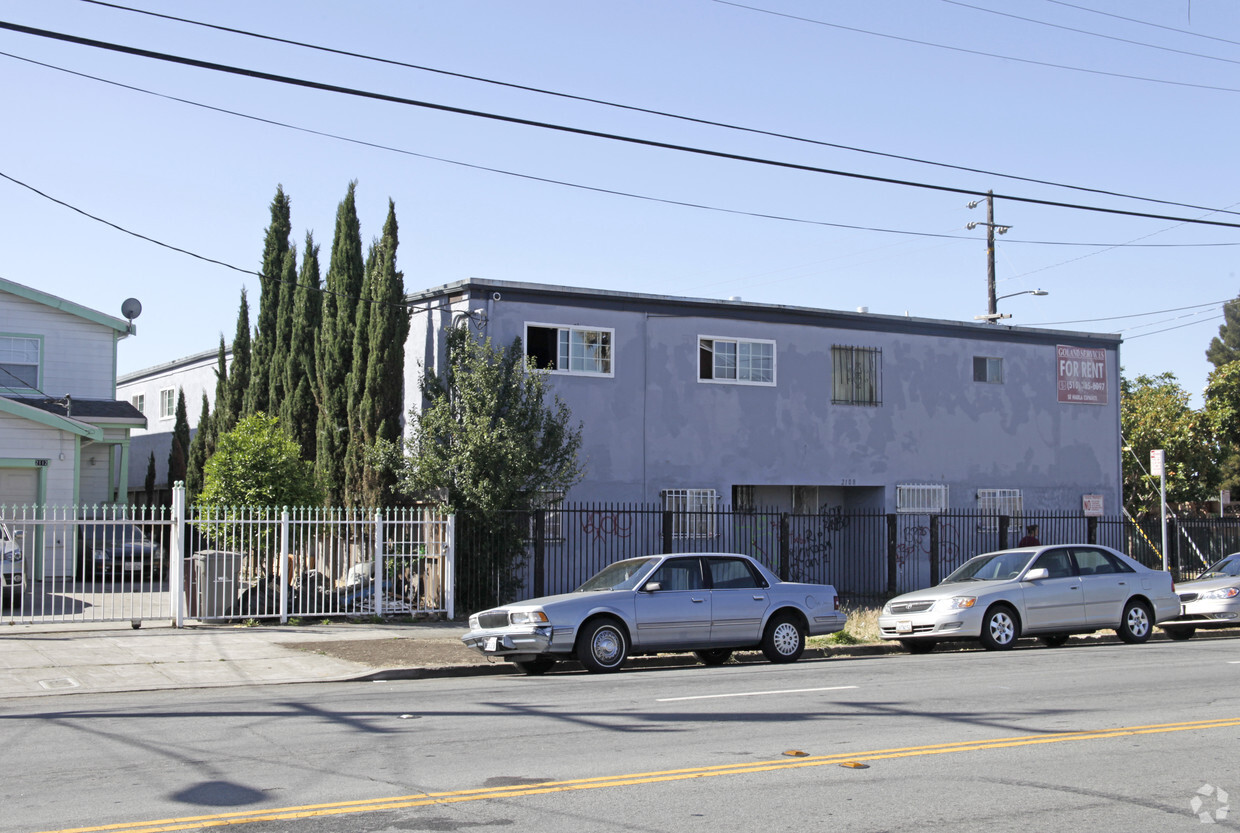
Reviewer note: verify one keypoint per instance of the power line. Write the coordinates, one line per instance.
(1144, 22)
(637, 109)
(716, 154)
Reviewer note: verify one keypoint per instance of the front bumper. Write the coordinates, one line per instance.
(524, 641)
(1206, 614)
(947, 624)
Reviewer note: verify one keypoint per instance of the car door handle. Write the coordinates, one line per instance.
(759, 598)
(696, 601)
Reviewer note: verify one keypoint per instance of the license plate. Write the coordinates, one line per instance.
(904, 626)
(492, 643)
(133, 565)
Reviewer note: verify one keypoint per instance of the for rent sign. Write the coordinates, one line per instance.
(1082, 374)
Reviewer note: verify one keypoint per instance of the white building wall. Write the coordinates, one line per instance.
(78, 355)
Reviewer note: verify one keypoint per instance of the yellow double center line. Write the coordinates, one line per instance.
(424, 799)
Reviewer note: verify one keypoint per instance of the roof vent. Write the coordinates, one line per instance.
(863, 309)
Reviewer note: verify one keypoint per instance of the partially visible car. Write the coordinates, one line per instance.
(1050, 592)
(111, 548)
(12, 565)
(1212, 600)
(709, 603)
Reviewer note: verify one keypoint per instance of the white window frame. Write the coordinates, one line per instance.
(856, 375)
(921, 498)
(694, 512)
(139, 402)
(993, 370)
(566, 347)
(11, 344)
(743, 363)
(168, 403)
(991, 503)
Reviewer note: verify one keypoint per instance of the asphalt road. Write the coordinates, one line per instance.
(1098, 737)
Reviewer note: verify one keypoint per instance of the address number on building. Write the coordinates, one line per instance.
(40, 463)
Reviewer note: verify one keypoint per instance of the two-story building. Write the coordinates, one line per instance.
(64, 437)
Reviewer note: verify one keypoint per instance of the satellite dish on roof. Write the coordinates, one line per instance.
(131, 309)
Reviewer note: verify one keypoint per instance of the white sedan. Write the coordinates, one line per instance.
(1210, 601)
(1050, 592)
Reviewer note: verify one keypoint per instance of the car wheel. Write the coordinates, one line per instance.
(1136, 624)
(535, 667)
(1000, 629)
(784, 639)
(716, 656)
(1179, 634)
(917, 646)
(603, 646)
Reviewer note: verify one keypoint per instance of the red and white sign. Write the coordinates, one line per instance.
(1092, 505)
(1082, 373)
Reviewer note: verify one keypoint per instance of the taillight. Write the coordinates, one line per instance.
(837, 602)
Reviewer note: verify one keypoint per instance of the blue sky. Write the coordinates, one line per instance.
(1138, 98)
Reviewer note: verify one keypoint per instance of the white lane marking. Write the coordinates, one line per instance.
(754, 693)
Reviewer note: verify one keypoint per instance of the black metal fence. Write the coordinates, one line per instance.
(866, 555)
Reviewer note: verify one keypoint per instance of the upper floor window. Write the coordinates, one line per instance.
(167, 403)
(929, 499)
(569, 349)
(139, 402)
(986, 369)
(19, 362)
(693, 512)
(736, 360)
(856, 375)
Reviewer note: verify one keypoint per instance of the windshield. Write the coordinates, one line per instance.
(1229, 566)
(623, 575)
(1000, 566)
(108, 534)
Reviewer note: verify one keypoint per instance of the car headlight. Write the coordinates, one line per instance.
(527, 617)
(956, 603)
(1221, 593)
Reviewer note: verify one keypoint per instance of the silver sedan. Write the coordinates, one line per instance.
(709, 603)
(1210, 601)
(1048, 592)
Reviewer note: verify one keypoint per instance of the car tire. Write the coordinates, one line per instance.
(1000, 628)
(715, 656)
(603, 646)
(1054, 640)
(1136, 623)
(917, 646)
(535, 667)
(784, 639)
(1179, 634)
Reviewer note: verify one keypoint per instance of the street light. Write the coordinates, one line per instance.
(993, 315)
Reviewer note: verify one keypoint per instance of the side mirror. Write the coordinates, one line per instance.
(1037, 573)
(653, 587)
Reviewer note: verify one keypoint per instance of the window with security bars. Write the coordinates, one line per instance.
(856, 375)
(992, 503)
(736, 360)
(552, 506)
(921, 499)
(693, 512)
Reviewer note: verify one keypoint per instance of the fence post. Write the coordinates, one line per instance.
(449, 568)
(785, 546)
(283, 571)
(1091, 530)
(667, 531)
(892, 563)
(934, 550)
(176, 556)
(380, 573)
(1005, 523)
(540, 548)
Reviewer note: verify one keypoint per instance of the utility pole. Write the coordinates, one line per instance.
(992, 306)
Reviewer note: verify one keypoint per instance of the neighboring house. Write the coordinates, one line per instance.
(153, 391)
(701, 403)
(64, 438)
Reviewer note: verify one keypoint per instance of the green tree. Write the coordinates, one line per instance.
(150, 480)
(1222, 407)
(334, 349)
(1155, 413)
(298, 410)
(258, 465)
(239, 372)
(275, 251)
(225, 411)
(196, 467)
(488, 442)
(180, 442)
(1225, 347)
(284, 332)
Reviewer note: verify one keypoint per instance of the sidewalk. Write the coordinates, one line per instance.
(39, 660)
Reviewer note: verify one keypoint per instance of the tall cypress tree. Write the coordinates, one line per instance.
(239, 373)
(284, 332)
(275, 249)
(334, 350)
(355, 451)
(180, 442)
(298, 408)
(198, 452)
(1225, 347)
(225, 411)
(382, 403)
